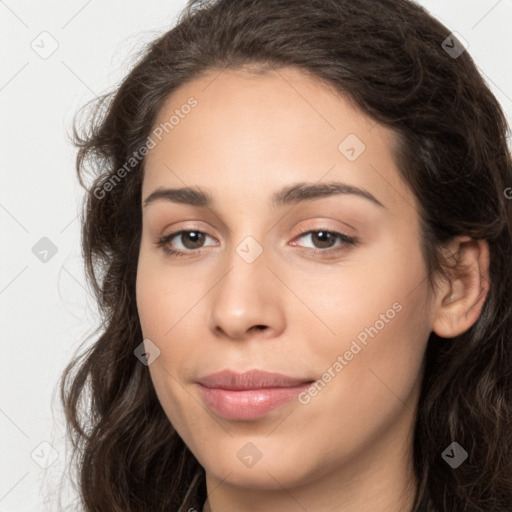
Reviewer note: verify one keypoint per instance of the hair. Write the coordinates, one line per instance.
(385, 56)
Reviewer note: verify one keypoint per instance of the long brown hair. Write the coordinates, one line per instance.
(388, 57)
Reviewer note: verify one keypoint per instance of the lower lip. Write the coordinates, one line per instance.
(248, 404)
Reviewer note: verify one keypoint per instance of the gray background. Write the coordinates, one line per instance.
(46, 310)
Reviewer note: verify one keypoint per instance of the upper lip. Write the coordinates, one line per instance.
(253, 379)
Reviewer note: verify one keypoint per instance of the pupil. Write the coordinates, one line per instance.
(325, 235)
(194, 234)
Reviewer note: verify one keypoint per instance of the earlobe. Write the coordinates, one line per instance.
(459, 302)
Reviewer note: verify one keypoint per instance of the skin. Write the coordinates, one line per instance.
(349, 448)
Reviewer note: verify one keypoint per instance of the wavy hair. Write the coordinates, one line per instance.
(388, 57)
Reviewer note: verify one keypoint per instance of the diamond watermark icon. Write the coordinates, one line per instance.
(249, 249)
(45, 45)
(352, 147)
(249, 454)
(44, 455)
(44, 250)
(454, 455)
(146, 352)
(454, 45)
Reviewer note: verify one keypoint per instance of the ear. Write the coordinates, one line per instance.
(460, 300)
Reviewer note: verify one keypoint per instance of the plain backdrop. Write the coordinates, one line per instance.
(55, 56)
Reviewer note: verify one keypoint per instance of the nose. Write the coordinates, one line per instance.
(247, 301)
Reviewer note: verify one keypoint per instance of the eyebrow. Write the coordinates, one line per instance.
(290, 195)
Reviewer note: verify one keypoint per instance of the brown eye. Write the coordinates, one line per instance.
(184, 242)
(191, 239)
(324, 241)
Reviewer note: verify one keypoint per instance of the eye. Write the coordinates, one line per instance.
(190, 241)
(324, 241)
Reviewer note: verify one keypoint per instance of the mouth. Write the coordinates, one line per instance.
(249, 395)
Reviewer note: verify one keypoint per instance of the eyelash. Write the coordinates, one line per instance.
(347, 242)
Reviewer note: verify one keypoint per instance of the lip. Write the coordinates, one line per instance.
(249, 395)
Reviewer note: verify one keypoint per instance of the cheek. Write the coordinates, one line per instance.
(375, 291)
(149, 293)
(378, 317)
(372, 389)
(160, 308)
(164, 296)
(167, 313)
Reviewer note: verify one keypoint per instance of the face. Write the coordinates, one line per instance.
(326, 286)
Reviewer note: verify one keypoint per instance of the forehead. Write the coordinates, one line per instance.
(246, 99)
(246, 129)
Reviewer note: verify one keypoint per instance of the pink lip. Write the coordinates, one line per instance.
(249, 395)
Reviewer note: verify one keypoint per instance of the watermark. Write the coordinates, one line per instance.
(44, 455)
(44, 250)
(101, 191)
(249, 249)
(454, 45)
(147, 352)
(343, 360)
(45, 45)
(508, 193)
(249, 454)
(454, 455)
(352, 147)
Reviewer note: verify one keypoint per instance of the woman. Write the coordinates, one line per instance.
(299, 233)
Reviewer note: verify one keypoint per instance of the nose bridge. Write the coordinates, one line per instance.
(248, 245)
(245, 281)
(245, 296)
